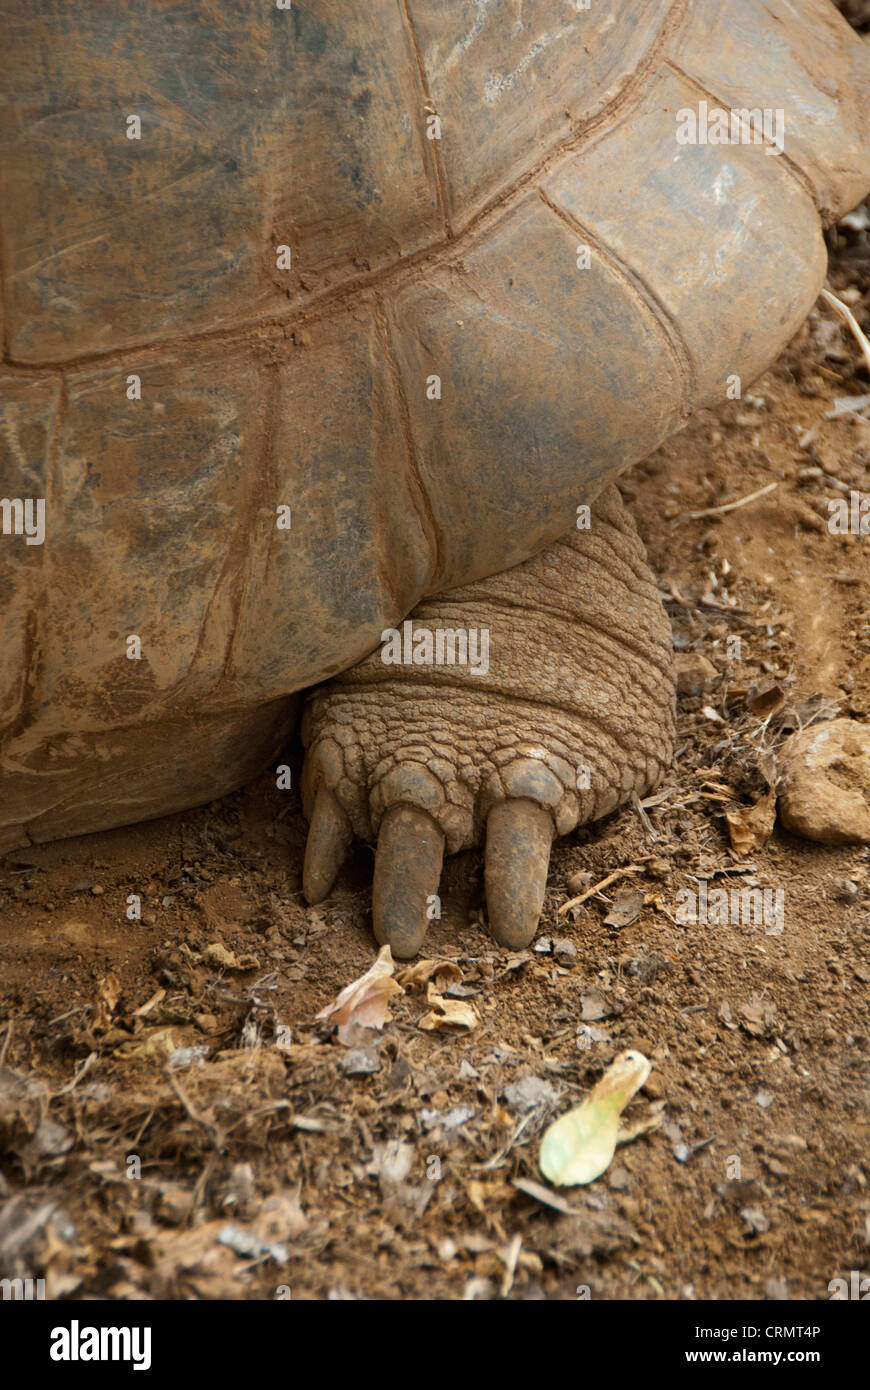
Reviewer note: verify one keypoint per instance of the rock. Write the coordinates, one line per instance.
(694, 673)
(845, 890)
(756, 1220)
(758, 1017)
(361, 1061)
(530, 1092)
(618, 1179)
(653, 1087)
(174, 1203)
(824, 788)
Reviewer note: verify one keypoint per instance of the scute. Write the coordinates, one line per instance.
(260, 128)
(512, 79)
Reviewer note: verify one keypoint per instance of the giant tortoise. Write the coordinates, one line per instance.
(327, 328)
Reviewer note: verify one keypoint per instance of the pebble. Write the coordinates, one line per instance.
(528, 1093)
(653, 1087)
(756, 1220)
(845, 890)
(578, 882)
(694, 672)
(359, 1061)
(824, 790)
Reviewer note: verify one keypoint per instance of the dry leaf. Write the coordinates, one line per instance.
(108, 994)
(218, 955)
(483, 1196)
(594, 1006)
(365, 1002)
(156, 1044)
(758, 1017)
(447, 1013)
(418, 975)
(749, 826)
(765, 699)
(625, 908)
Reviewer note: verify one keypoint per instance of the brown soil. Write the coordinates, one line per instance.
(755, 1186)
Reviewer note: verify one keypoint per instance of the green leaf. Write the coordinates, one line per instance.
(578, 1147)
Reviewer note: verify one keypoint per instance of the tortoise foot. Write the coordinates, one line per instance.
(557, 704)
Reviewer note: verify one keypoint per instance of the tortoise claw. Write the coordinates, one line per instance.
(519, 835)
(329, 837)
(407, 872)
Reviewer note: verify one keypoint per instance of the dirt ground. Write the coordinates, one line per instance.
(175, 1123)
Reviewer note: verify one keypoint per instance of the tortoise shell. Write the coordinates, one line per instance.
(312, 310)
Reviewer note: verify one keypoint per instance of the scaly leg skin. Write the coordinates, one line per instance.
(575, 712)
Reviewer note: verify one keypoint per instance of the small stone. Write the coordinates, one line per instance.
(756, 1220)
(845, 890)
(618, 1179)
(758, 1017)
(653, 1087)
(174, 1204)
(98, 890)
(564, 950)
(579, 882)
(528, 1093)
(51, 1138)
(824, 790)
(360, 1061)
(778, 1169)
(764, 1100)
(694, 673)
(459, 1115)
(184, 1057)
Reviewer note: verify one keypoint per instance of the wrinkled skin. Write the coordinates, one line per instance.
(574, 713)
